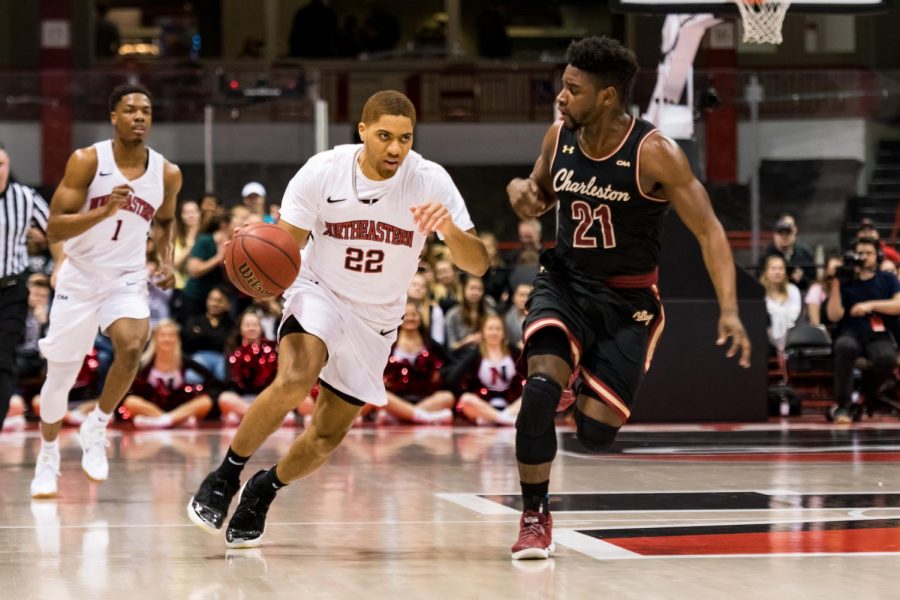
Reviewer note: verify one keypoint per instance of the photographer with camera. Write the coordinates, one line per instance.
(860, 300)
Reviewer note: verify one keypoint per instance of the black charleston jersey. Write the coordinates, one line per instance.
(607, 227)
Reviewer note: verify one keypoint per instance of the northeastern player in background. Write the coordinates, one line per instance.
(611, 177)
(367, 209)
(103, 209)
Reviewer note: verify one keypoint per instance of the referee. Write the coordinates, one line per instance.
(20, 206)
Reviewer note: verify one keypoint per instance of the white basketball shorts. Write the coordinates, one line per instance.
(86, 301)
(358, 345)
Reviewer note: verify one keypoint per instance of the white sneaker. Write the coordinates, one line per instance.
(16, 423)
(92, 437)
(46, 472)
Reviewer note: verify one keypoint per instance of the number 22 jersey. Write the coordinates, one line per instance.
(364, 245)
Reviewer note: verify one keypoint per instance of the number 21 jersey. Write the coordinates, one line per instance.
(607, 227)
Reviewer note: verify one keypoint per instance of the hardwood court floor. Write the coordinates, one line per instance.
(767, 511)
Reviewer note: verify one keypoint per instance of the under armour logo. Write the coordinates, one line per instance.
(568, 149)
(623, 163)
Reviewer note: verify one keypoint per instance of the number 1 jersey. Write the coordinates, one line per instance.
(118, 243)
(363, 244)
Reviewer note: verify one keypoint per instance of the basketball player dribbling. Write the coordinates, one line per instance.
(367, 210)
(595, 305)
(103, 209)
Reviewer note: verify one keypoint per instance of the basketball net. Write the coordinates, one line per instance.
(762, 20)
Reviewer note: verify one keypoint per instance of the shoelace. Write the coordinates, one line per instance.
(45, 462)
(95, 437)
(534, 527)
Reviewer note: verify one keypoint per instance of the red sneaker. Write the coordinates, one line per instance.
(535, 536)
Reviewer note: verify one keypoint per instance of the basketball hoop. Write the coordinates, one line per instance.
(762, 20)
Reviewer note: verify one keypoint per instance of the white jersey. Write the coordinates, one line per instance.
(364, 245)
(118, 243)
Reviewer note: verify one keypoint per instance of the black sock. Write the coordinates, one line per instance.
(536, 496)
(231, 467)
(268, 483)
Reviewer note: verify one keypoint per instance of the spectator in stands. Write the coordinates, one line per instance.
(412, 377)
(486, 377)
(868, 231)
(529, 240)
(817, 295)
(205, 265)
(863, 304)
(783, 300)
(40, 259)
(187, 229)
(431, 315)
(314, 32)
(159, 298)
(516, 315)
(161, 396)
(464, 320)
(381, 31)
(888, 266)
(269, 311)
(496, 279)
(800, 261)
(30, 365)
(273, 215)
(251, 368)
(253, 197)
(106, 33)
(206, 335)
(210, 208)
(447, 287)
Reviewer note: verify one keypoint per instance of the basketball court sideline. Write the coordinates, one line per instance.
(673, 512)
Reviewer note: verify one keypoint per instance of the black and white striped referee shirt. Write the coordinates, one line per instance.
(20, 206)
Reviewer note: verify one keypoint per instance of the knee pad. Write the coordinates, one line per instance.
(594, 435)
(55, 391)
(535, 431)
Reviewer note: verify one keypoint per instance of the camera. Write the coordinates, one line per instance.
(847, 271)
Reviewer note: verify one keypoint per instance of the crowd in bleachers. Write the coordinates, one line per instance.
(212, 348)
(855, 342)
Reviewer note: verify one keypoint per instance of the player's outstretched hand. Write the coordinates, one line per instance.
(164, 278)
(117, 199)
(525, 198)
(730, 326)
(432, 216)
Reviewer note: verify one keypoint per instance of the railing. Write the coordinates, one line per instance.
(443, 92)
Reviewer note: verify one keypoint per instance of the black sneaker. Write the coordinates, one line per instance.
(209, 506)
(248, 523)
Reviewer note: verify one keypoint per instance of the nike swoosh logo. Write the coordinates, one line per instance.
(102, 174)
(130, 282)
(387, 332)
(331, 200)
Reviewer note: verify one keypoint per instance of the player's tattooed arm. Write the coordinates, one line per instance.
(665, 171)
(66, 221)
(533, 196)
(163, 222)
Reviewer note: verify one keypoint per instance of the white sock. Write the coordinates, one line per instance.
(100, 416)
(421, 416)
(506, 419)
(50, 447)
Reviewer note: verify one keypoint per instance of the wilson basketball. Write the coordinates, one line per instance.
(262, 260)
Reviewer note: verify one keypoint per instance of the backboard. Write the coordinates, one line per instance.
(718, 6)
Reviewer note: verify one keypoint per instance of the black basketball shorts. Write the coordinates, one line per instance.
(612, 333)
